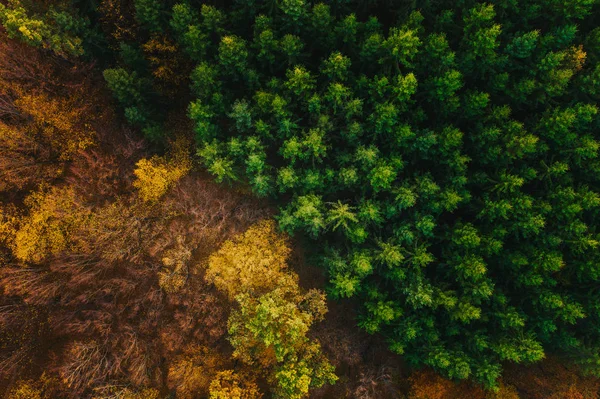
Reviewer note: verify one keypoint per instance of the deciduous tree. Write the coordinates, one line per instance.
(253, 262)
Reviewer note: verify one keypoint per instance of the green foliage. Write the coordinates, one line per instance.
(56, 30)
(233, 54)
(126, 87)
(275, 325)
(130, 90)
(148, 14)
(306, 212)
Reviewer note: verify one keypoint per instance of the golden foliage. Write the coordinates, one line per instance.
(143, 394)
(173, 275)
(314, 302)
(46, 230)
(8, 223)
(576, 57)
(45, 387)
(156, 175)
(252, 261)
(35, 150)
(192, 373)
(25, 390)
(229, 385)
(165, 62)
(59, 122)
(270, 328)
(44, 107)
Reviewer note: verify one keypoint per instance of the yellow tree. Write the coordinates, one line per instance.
(228, 384)
(253, 261)
(43, 134)
(269, 330)
(154, 176)
(46, 229)
(61, 122)
(45, 107)
(148, 393)
(25, 390)
(45, 387)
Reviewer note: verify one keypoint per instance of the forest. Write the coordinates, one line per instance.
(289, 199)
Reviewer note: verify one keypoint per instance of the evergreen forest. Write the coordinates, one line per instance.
(289, 199)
